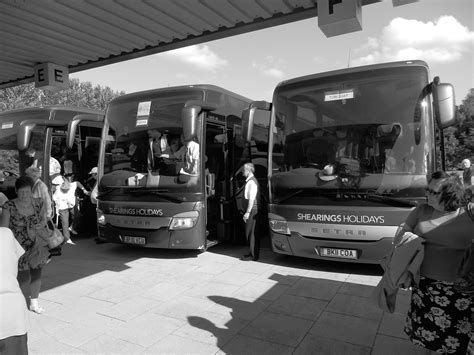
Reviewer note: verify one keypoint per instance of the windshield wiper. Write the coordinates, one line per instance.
(106, 192)
(385, 198)
(289, 196)
(159, 193)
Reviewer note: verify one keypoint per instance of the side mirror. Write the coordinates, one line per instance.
(27, 126)
(443, 103)
(189, 117)
(248, 116)
(76, 121)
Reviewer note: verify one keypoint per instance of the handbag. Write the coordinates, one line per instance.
(48, 234)
(465, 283)
(56, 239)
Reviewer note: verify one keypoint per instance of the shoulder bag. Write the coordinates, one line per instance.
(465, 283)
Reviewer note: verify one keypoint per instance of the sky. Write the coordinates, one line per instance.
(440, 32)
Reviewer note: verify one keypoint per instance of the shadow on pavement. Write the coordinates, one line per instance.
(300, 262)
(305, 315)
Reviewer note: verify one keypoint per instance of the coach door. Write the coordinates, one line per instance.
(215, 176)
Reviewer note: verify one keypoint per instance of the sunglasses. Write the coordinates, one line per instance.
(432, 192)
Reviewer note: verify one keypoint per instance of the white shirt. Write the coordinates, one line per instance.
(65, 199)
(14, 314)
(192, 158)
(251, 189)
(54, 166)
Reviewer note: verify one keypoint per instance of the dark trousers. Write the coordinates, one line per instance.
(252, 238)
(14, 345)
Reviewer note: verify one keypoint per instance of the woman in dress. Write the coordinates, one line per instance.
(439, 318)
(22, 214)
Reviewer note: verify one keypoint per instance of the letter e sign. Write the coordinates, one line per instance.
(51, 76)
(337, 17)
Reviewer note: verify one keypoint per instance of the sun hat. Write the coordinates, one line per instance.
(58, 180)
(327, 174)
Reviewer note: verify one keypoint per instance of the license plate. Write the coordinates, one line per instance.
(134, 240)
(338, 253)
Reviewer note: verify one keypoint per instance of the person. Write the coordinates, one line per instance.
(178, 148)
(65, 201)
(251, 211)
(22, 215)
(439, 317)
(467, 172)
(159, 147)
(40, 190)
(14, 319)
(91, 181)
(137, 153)
(30, 158)
(54, 168)
(191, 157)
(3, 199)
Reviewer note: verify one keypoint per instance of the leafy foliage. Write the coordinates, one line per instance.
(459, 140)
(80, 94)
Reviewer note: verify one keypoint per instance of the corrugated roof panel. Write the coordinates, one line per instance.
(277, 6)
(191, 13)
(150, 17)
(229, 11)
(42, 46)
(183, 16)
(252, 8)
(69, 27)
(84, 34)
(212, 15)
(131, 20)
(178, 26)
(92, 28)
(118, 25)
(302, 3)
(40, 33)
(212, 19)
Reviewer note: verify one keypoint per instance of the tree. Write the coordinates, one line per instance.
(459, 140)
(80, 94)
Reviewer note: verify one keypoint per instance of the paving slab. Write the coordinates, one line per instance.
(386, 345)
(146, 329)
(354, 330)
(242, 344)
(320, 289)
(296, 306)
(257, 289)
(173, 344)
(313, 344)
(278, 328)
(114, 299)
(355, 306)
(106, 344)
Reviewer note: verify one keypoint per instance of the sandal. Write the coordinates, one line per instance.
(36, 308)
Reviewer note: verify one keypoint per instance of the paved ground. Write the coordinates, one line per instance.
(108, 298)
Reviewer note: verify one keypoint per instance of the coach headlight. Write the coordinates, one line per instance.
(185, 220)
(278, 224)
(101, 218)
